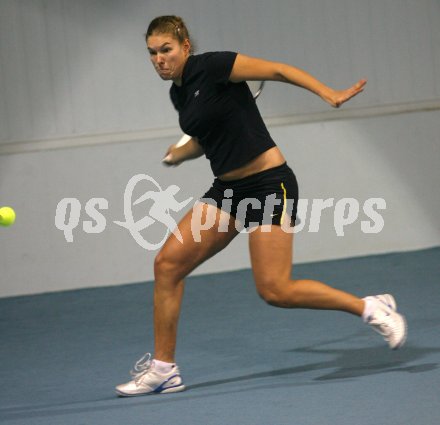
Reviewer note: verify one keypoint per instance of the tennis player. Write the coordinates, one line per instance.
(216, 108)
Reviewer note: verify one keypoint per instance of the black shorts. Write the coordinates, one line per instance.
(267, 197)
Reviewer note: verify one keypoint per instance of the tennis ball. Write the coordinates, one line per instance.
(7, 216)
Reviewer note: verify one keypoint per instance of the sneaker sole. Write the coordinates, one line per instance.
(170, 390)
(403, 340)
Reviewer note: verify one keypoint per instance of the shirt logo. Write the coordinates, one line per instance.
(196, 93)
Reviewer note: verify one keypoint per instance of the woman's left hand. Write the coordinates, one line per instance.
(337, 97)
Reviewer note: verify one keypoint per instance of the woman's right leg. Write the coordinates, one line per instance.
(176, 260)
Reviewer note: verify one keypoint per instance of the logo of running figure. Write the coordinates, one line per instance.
(164, 201)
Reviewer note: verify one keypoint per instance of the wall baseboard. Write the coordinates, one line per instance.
(16, 147)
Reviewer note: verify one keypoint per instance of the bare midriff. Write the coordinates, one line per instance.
(269, 159)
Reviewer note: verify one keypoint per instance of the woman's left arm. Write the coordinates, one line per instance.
(249, 68)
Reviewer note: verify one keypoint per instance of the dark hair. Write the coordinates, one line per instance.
(169, 24)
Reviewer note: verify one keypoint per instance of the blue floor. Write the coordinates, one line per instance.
(244, 362)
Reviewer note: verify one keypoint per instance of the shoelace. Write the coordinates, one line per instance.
(142, 366)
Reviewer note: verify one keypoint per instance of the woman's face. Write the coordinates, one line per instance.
(167, 55)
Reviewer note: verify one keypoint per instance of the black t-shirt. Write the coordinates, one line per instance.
(222, 115)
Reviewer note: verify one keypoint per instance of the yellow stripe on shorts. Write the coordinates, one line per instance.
(284, 203)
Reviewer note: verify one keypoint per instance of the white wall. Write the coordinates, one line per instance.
(72, 69)
(394, 157)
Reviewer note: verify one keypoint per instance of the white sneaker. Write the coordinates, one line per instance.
(147, 380)
(387, 321)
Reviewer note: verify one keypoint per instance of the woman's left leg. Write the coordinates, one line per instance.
(271, 257)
